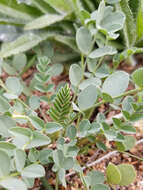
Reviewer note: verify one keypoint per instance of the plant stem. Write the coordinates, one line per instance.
(46, 185)
(83, 180)
(138, 158)
(57, 182)
(120, 96)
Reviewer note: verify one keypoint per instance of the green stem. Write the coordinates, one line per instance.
(120, 96)
(46, 185)
(57, 182)
(83, 180)
(82, 64)
(129, 154)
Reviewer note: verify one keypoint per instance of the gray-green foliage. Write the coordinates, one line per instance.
(90, 28)
(46, 15)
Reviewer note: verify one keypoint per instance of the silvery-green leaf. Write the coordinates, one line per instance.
(5, 124)
(4, 105)
(75, 74)
(5, 164)
(33, 171)
(20, 158)
(13, 183)
(87, 97)
(116, 83)
(91, 81)
(84, 40)
(100, 52)
(14, 86)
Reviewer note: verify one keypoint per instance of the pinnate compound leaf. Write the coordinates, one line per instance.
(137, 77)
(113, 174)
(128, 174)
(84, 40)
(5, 164)
(13, 183)
(33, 171)
(116, 83)
(75, 74)
(87, 97)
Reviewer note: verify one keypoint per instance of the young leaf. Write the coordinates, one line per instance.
(128, 174)
(113, 174)
(84, 102)
(33, 171)
(116, 83)
(84, 40)
(61, 105)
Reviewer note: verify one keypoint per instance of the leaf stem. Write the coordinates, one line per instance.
(57, 182)
(129, 154)
(46, 185)
(120, 96)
